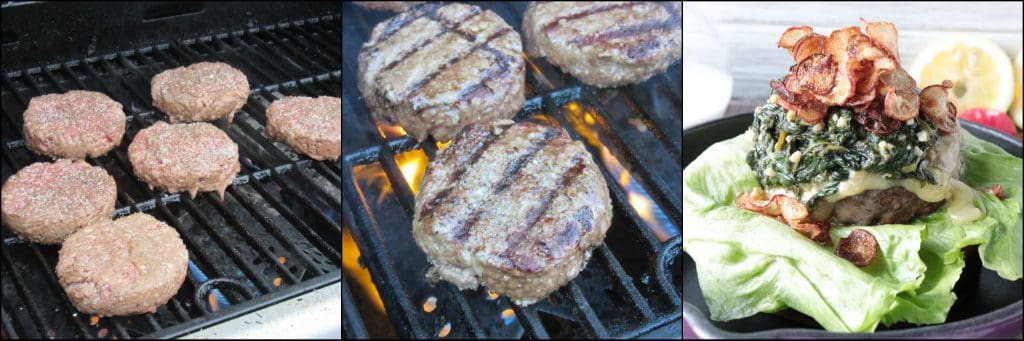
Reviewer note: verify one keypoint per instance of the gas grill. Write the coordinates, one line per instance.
(275, 236)
(630, 287)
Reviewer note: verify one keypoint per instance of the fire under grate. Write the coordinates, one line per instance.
(630, 287)
(276, 234)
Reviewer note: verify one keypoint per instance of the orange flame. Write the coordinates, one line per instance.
(388, 130)
(585, 122)
(536, 72)
(350, 262)
(373, 175)
(412, 164)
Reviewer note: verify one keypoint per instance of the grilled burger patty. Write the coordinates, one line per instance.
(73, 125)
(45, 202)
(437, 68)
(394, 6)
(311, 126)
(185, 157)
(603, 43)
(126, 266)
(517, 209)
(202, 91)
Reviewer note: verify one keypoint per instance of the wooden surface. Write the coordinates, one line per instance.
(751, 30)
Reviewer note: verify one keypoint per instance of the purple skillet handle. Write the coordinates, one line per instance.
(1006, 329)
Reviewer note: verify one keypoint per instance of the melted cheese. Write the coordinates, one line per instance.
(960, 197)
(961, 204)
(861, 181)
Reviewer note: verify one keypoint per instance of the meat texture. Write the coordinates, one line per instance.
(45, 202)
(394, 6)
(517, 209)
(73, 125)
(185, 157)
(876, 207)
(202, 91)
(122, 267)
(437, 68)
(311, 126)
(603, 43)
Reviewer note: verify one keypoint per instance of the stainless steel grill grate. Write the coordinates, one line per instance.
(277, 233)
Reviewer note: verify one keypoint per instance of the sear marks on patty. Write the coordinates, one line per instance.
(394, 6)
(436, 68)
(894, 205)
(605, 44)
(517, 210)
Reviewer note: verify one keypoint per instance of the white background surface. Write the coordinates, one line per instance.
(316, 316)
(751, 31)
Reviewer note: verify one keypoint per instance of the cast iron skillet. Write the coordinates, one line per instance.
(986, 306)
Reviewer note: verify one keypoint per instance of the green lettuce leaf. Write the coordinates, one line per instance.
(986, 165)
(931, 302)
(749, 263)
(999, 234)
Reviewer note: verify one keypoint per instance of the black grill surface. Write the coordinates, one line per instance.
(630, 288)
(276, 234)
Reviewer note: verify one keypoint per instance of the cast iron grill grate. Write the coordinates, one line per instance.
(273, 237)
(631, 285)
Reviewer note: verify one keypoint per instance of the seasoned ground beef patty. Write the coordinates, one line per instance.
(73, 125)
(437, 68)
(310, 126)
(605, 43)
(517, 209)
(119, 267)
(202, 91)
(185, 157)
(45, 202)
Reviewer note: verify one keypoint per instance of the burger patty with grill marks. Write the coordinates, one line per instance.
(437, 68)
(517, 209)
(605, 44)
(394, 6)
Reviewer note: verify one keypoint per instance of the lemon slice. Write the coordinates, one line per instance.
(1018, 118)
(981, 72)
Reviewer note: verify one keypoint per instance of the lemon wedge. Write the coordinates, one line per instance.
(1018, 118)
(981, 72)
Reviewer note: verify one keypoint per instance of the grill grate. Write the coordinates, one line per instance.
(280, 204)
(622, 269)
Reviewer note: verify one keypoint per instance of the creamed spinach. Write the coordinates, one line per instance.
(788, 152)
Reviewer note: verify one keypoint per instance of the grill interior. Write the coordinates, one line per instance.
(276, 234)
(630, 287)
